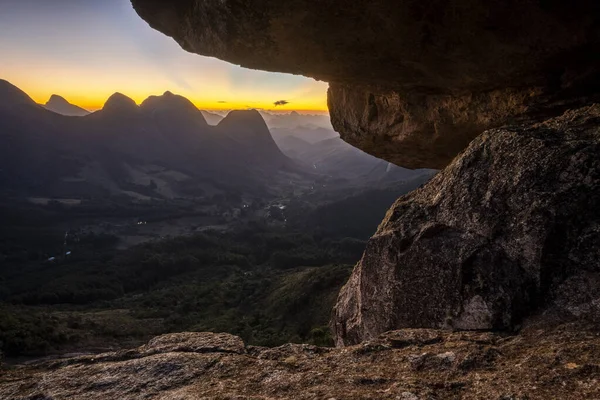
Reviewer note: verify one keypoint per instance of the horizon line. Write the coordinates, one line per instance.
(214, 106)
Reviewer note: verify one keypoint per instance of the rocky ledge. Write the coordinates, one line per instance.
(410, 364)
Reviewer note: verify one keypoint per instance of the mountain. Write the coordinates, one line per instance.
(295, 120)
(11, 96)
(60, 105)
(119, 103)
(308, 134)
(249, 130)
(326, 153)
(212, 118)
(357, 215)
(163, 148)
(292, 145)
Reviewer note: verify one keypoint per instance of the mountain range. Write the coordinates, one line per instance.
(294, 119)
(323, 150)
(163, 148)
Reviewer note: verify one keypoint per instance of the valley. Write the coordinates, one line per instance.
(299, 200)
(134, 221)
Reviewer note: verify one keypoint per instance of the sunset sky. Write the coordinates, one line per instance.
(87, 50)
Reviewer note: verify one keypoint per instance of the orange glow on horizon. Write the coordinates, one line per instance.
(93, 103)
(93, 95)
(86, 51)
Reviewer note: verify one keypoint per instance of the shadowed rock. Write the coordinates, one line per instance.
(509, 227)
(195, 343)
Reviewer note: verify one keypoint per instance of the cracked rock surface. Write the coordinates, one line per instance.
(561, 362)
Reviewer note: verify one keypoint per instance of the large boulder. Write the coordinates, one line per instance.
(411, 81)
(510, 227)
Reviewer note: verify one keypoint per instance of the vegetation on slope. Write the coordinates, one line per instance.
(267, 285)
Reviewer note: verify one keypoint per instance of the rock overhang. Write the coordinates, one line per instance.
(410, 81)
(414, 83)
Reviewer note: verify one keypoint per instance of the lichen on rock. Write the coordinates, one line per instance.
(537, 364)
(491, 239)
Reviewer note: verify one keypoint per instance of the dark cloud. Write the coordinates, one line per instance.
(281, 103)
(222, 102)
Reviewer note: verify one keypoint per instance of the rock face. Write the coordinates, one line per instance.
(412, 82)
(508, 227)
(415, 130)
(409, 364)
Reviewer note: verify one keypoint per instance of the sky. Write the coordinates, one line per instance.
(86, 50)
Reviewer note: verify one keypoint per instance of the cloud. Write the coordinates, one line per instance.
(281, 103)
(221, 102)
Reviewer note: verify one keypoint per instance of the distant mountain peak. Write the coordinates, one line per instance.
(247, 125)
(119, 102)
(241, 117)
(168, 100)
(211, 117)
(175, 107)
(10, 95)
(60, 105)
(248, 128)
(55, 98)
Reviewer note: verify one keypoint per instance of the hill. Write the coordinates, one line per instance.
(60, 105)
(326, 153)
(161, 149)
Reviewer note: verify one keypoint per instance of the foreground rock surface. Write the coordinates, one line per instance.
(434, 74)
(560, 363)
(512, 226)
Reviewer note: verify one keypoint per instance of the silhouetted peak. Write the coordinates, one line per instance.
(120, 102)
(56, 99)
(168, 100)
(60, 105)
(248, 118)
(58, 102)
(11, 95)
(249, 126)
(295, 114)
